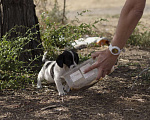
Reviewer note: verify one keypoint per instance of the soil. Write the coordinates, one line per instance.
(116, 97)
(119, 96)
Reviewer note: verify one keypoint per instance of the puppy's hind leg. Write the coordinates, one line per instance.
(39, 83)
(40, 77)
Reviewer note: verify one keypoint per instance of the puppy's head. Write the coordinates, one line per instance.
(69, 58)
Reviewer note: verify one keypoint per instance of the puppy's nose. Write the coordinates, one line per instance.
(72, 66)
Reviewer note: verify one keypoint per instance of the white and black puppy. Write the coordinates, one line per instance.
(53, 70)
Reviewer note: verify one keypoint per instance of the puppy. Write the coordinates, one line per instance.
(53, 70)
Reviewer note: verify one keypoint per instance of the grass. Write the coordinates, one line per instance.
(140, 36)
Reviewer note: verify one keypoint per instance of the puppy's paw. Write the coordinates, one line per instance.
(62, 93)
(39, 86)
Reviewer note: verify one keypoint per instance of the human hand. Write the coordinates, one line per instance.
(104, 63)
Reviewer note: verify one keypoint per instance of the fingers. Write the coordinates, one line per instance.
(103, 63)
(99, 75)
(91, 68)
(102, 74)
(95, 54)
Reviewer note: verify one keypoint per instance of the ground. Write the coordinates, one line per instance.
(116, 97)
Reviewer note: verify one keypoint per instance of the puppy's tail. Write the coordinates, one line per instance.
(44, 57)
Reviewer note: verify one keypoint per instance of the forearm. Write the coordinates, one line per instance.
(129, 17)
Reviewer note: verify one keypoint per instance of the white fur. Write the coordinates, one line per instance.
(45, 74)
(58, 72)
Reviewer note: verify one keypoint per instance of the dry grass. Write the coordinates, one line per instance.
(108, 9)
(79, 5)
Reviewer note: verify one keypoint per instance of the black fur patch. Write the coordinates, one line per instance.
(48, 64)
(52, 70)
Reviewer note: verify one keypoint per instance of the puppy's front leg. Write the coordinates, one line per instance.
(59, 86)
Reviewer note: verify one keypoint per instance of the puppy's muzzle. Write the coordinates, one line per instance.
(73, 66)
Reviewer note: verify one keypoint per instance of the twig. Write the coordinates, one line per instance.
(50, 107)
(139, 76)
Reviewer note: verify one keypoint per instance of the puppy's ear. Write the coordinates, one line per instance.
(59, 60)
(76, 57)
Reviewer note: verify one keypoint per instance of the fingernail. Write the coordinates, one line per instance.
(101, 79)
(84, 72)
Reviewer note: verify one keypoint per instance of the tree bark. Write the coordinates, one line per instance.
(22, 13)
(0, 22)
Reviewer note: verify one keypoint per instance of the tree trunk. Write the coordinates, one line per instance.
(22, 13)
(0, 22)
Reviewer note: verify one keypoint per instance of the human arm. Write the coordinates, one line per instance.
(130, 15)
